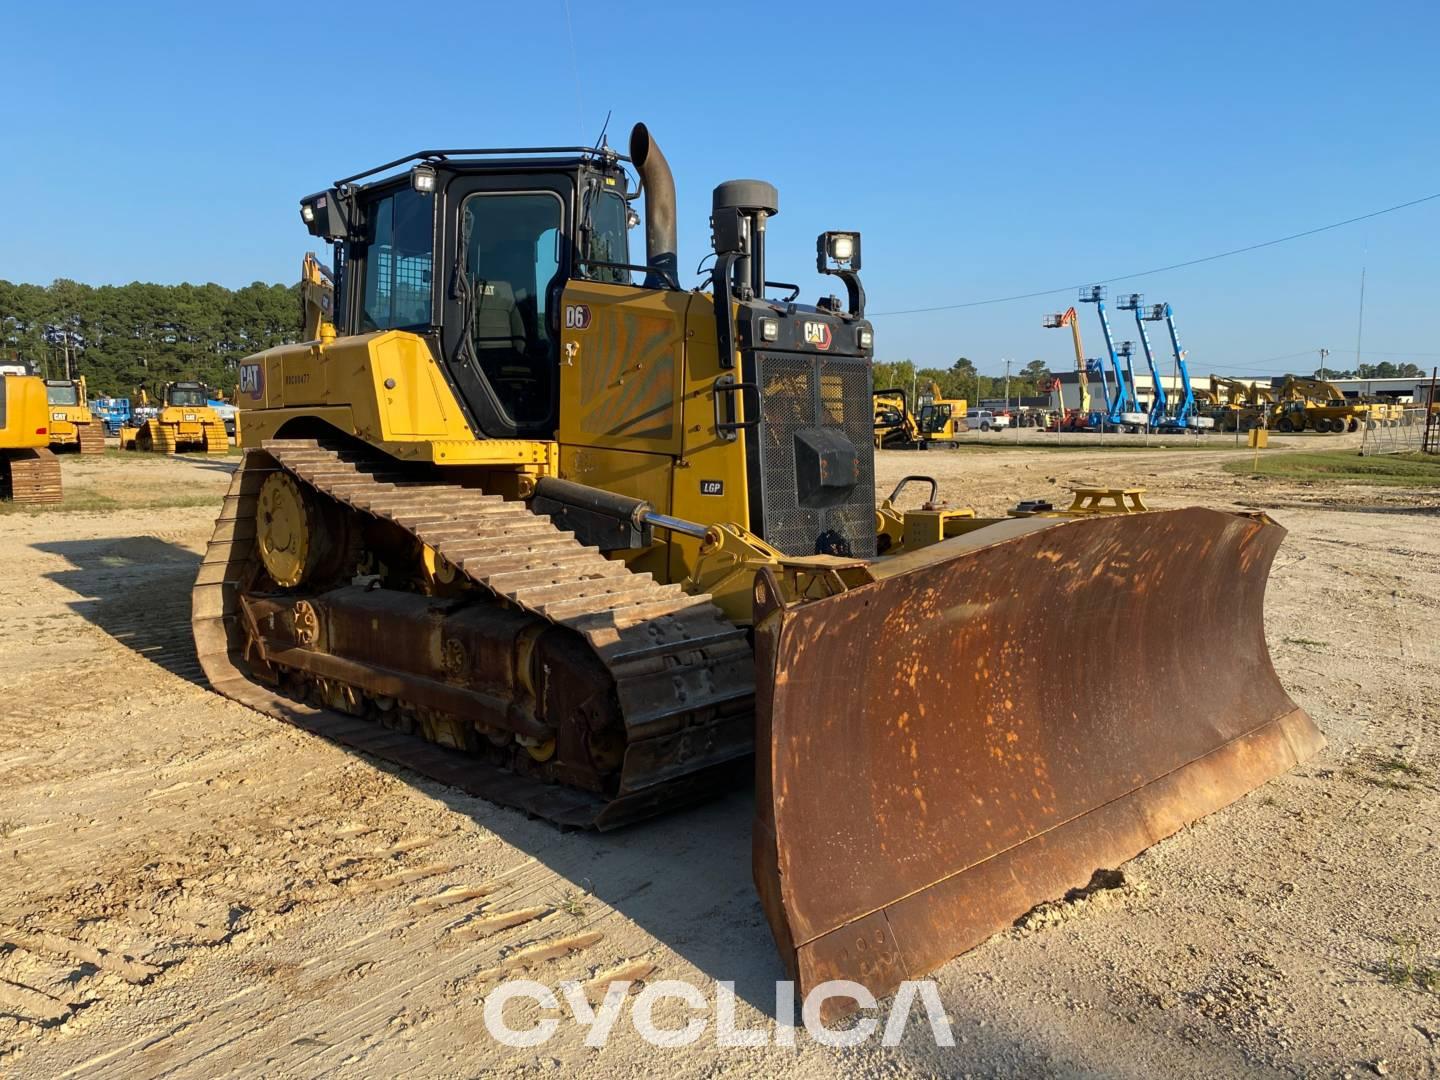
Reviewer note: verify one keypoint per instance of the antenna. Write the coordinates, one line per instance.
(600, 143)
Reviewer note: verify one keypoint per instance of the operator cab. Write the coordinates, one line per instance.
(471, 249)
(188, 395)
(62, 392)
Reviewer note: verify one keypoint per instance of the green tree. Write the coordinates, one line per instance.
(122, 337)
(1035, 374)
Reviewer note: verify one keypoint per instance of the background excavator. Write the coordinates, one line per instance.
(1238, 405)
(72, 424)
(29, 471)
(530, 517)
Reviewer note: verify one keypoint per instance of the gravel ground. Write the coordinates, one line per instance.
(192, 889)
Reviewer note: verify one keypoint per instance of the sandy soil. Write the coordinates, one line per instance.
(189, 889)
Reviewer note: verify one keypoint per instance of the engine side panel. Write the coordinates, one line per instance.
(385, 388)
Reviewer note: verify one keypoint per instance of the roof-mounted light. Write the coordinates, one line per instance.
(422, 179)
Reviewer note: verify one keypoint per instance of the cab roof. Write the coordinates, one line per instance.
(499, 158)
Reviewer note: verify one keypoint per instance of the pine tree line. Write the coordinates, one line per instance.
(122, 337)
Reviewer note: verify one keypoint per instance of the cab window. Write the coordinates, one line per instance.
(606, 239)
(512, 269)
(398, 262)
(65, 394)
(187, 396)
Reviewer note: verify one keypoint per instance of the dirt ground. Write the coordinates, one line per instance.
(189, 889)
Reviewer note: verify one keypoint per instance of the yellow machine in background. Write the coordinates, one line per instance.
(29, 472)
(618, 542)
(1314, 405)
(183, 422)
(72, 425)
(940, 419)
(1238, 405)
(896, 427)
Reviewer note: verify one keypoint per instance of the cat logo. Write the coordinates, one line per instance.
(577, 317)
(252, 380)
(818, 334)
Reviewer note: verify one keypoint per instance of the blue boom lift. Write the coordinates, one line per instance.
(1159, 415)
(1123, 410)
(1187, 414)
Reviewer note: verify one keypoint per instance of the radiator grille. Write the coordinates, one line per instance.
(798, 392)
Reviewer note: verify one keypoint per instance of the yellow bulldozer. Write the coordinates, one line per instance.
(29, 471)
(529, 516)
(184, 421)
(72, 425)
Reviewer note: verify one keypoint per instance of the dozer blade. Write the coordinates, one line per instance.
(997, 716)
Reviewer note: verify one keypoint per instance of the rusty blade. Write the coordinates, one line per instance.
(997, 716)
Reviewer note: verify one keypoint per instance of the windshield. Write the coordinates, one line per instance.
(187, 396)
(66, 394)
(606, 240)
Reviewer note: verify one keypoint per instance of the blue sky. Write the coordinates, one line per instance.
(984, 150)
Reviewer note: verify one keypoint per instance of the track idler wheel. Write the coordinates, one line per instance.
(301, 536)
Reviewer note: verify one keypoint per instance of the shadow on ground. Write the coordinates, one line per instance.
(684, 878)
(136, 589)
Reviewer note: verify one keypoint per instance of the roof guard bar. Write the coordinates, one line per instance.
(604, 153)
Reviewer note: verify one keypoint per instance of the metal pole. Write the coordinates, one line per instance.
(1007, 386)
(1325, 353)
(1360, 329)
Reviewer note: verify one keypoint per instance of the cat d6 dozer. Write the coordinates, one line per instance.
(29, 471)
(72, 424)
(183, 421)
(528, 516)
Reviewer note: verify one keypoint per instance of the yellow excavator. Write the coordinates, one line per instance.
(72, 425)
(1239, 405)
(29, 471)
(529, 516)
(183, 421)
(941, 419)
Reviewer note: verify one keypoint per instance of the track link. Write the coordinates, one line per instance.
(34, 476)
(91, 437)
(683, 675)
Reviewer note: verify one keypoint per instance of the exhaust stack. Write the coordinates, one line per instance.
(659, 188)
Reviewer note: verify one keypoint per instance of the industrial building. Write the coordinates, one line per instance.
(1402, 390)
